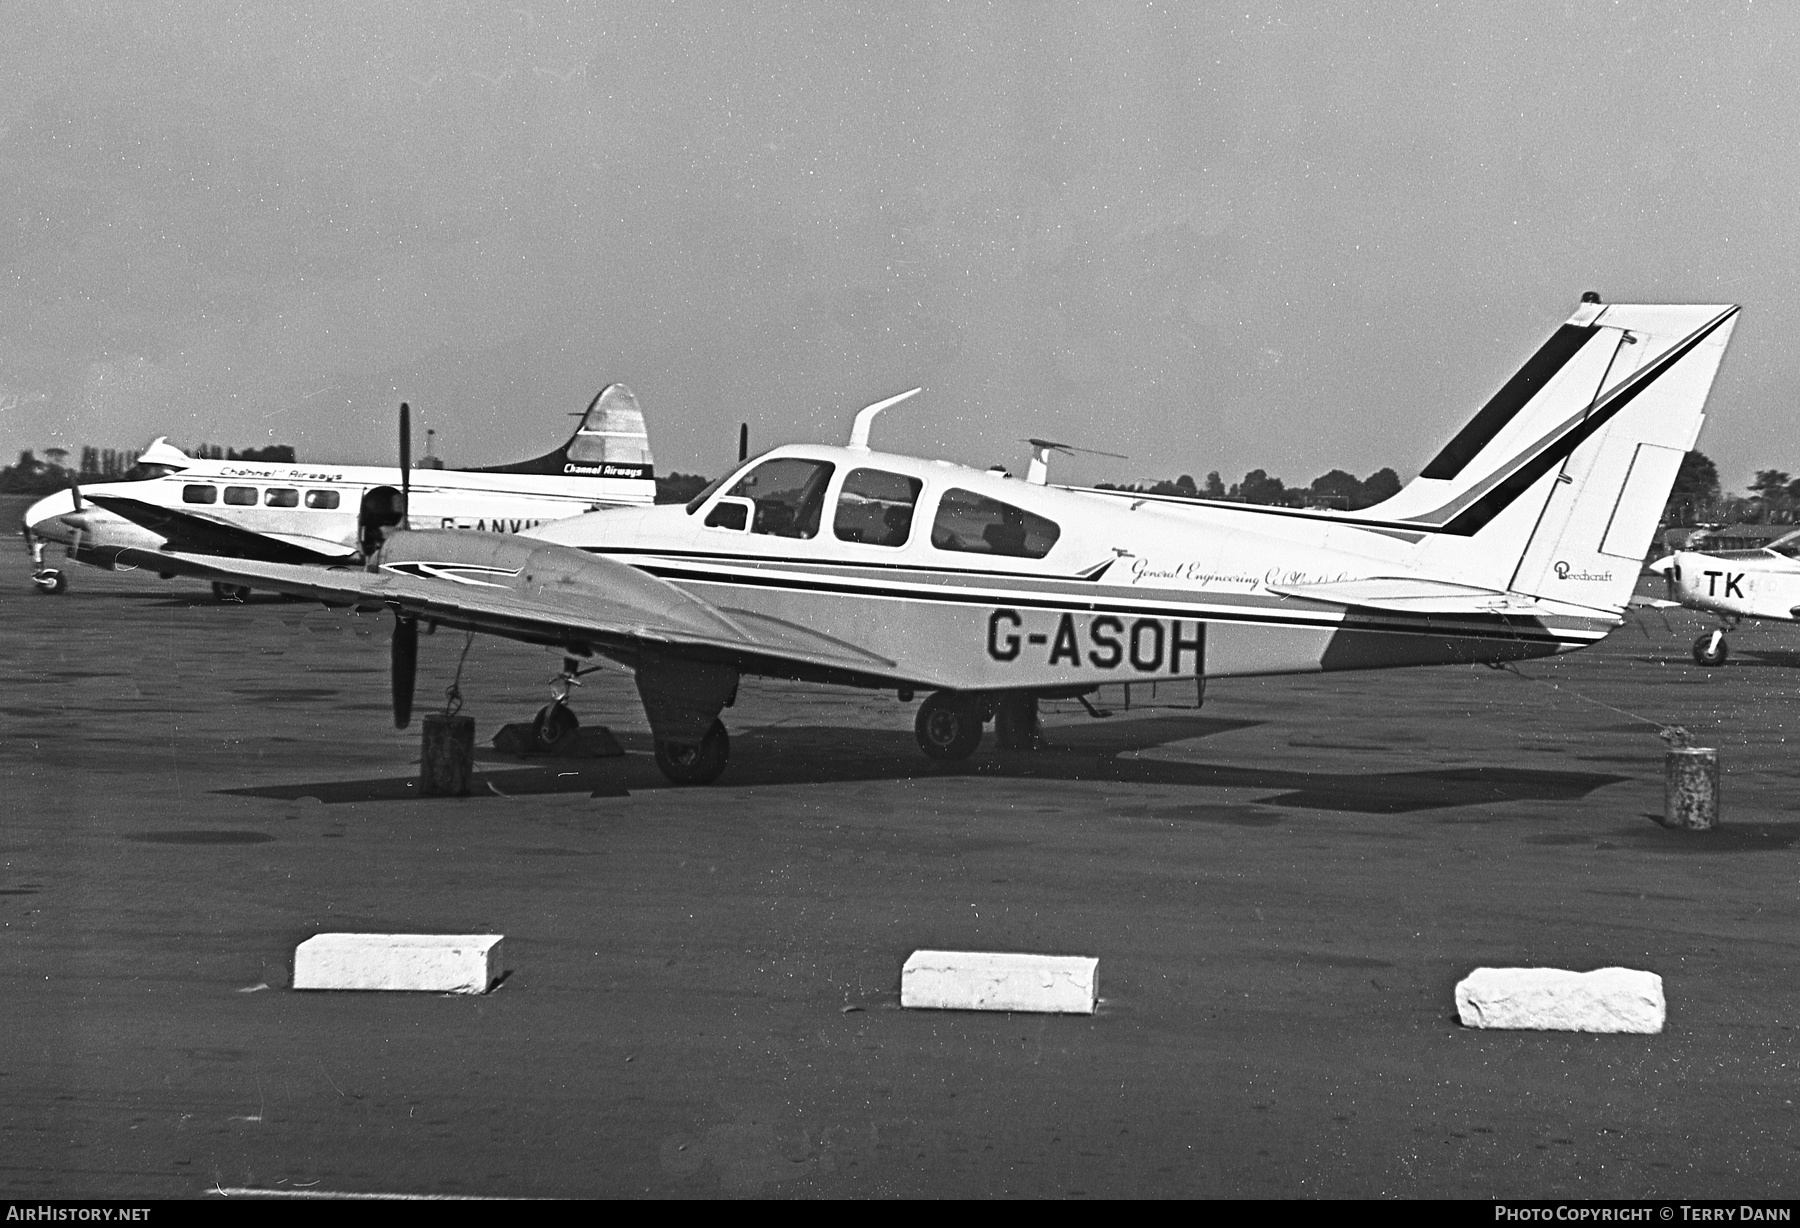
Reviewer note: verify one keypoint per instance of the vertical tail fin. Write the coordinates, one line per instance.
(1561, 498)
(611, 442)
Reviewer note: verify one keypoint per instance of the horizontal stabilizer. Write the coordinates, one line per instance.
(193, 534)
(1652, 603)
(1415, 595)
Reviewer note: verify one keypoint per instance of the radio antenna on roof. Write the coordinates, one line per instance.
(865, 418)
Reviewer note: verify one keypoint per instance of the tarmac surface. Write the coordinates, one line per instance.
(702, 984)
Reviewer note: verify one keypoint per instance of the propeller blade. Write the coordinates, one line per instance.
(405, 464)
(743, 441)
(405, 668)
(75, 490)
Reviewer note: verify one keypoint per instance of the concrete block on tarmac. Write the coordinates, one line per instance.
(1557, 1000)
(436, 963)
(980, 981)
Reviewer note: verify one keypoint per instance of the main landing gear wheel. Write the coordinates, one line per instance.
(695, 765)
(1016, 725)
(1710, 649)
(50, 581)
(230, 592)
(554, 722)
(949, 725)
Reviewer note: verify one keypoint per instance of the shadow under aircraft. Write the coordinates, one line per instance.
(1105, 752)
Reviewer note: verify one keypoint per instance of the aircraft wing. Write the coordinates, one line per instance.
(1652, 603)
(543, 593)
(1415, 595)
(189, 533)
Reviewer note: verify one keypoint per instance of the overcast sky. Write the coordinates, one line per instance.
(1294, 237)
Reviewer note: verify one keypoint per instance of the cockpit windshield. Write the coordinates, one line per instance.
(1787, 546)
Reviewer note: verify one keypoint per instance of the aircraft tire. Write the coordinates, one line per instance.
(1711, 649)
(949, 725)
(224, 593)
(50, 582)
(554, 722)
(1016, 724)
(695, 765)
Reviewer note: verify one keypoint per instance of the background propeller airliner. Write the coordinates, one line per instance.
(323, 513)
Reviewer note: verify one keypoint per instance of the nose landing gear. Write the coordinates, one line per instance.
(553, 723)
(1711, 649)
(49, 581)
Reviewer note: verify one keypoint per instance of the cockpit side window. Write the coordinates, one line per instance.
(977, 524)
(789, 494)
(875, 507)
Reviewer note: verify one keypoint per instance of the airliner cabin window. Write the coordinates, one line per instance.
(241, 496)
(875, 507)
(789, 494)
(322, 499)
(281, 496)
(199, 494)
(975, 523)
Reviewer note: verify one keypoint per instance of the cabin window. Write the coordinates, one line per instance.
(789, 494)
(241, 496)
(199, 494)
(875, 507)
(728, 513)
(322, 499)
(281, 496)
(977, 524)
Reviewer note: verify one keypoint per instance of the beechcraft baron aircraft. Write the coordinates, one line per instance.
(312, 514)
(1734, 584)
(1521, 538)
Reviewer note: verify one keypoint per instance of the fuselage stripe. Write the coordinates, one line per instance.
(1497, 626)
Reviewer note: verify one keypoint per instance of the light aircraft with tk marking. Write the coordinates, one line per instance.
(1734, 584)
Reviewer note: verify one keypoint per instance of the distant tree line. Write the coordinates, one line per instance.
(1773, 497)
(1338, 489)
(679, 487)
(35, 476)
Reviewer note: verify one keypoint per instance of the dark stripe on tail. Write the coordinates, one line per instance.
(1475, 517)
(1539, 370)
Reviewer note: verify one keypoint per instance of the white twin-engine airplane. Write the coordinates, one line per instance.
(317, 514)
(1522, 538)
(1734, 584)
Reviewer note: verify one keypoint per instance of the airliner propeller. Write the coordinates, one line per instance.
(404, 648)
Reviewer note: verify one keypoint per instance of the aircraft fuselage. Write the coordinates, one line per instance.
(1122, 588)
(316, 506)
